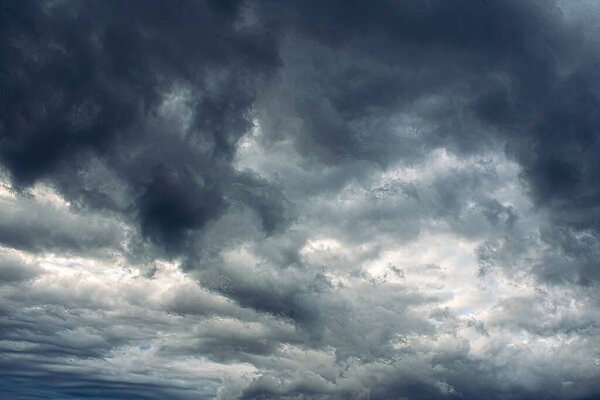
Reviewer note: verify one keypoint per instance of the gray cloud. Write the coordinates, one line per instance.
(36, 224)
(299, 200)
(13, 269)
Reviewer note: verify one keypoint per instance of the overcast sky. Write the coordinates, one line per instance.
(300, 199)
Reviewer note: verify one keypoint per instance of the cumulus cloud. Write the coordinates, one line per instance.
(299, 200)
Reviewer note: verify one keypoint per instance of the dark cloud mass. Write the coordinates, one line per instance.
(299, 200)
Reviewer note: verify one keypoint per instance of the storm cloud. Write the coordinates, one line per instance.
(299, 200)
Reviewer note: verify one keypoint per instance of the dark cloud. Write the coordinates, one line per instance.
(73, 385)
(86, 81)
(354, 69)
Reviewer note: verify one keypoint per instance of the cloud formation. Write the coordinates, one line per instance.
(299, 200)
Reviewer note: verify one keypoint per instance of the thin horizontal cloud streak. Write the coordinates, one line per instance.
(299, 200)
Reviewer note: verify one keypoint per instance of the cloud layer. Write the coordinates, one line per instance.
(299, 200)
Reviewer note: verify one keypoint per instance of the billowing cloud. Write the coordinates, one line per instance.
(299, 200)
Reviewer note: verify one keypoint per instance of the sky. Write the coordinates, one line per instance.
(312, 199)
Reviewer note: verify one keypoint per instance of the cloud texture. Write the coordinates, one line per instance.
(299, 200)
